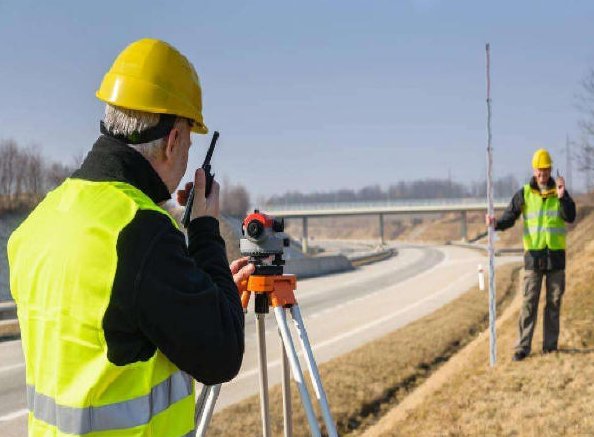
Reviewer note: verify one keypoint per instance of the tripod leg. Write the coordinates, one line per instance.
(200, 403)
(281, 320)
(286, 381)
(208, 404)
(313, 371)
(263, 365)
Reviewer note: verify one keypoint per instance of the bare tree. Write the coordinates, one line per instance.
(235, 200)
(56, 174)
(21, 161)
(77, 160)
(585, 153)
(25, 176)
(8, 157)
(34, 174)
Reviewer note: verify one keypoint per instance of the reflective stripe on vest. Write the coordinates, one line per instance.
(127, 414)
(541, 214)
(63, 260)
(559, 231)
(543, 225)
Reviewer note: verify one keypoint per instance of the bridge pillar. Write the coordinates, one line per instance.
(304, 236)
(381, 229)
(463, 226)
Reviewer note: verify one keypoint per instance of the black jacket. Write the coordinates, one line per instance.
(545, 259)
(180, 299)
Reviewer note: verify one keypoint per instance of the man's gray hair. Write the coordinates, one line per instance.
(122, 121)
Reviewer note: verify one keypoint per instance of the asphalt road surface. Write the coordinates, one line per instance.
(341, 312)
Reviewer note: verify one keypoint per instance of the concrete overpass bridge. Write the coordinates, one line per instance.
(383, 208)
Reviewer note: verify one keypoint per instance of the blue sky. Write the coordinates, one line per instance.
(315, 95)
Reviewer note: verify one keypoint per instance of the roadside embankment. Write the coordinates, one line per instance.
(317, 266)
(309, 267)
(371, 257)
(543, 395)
(364, 384)
(9, 326)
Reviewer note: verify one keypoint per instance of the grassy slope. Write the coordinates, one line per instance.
(544, 395)
(368, 381)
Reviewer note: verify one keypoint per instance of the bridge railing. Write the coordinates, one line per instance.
(379, 204)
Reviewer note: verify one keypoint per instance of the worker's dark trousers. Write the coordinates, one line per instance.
(555, 282)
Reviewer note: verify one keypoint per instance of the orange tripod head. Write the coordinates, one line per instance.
(277, 289)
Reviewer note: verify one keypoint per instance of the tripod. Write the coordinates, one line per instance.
(273, 289)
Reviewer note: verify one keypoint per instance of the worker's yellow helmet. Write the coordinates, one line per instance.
(541, 159)
(152, 76)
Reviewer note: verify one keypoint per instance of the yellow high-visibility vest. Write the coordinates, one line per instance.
(62, 265)
(543, 225)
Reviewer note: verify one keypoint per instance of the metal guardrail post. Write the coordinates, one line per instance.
(463, 226)
(304, 237)
(381, 229)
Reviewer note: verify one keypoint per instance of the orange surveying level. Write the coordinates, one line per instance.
(273, 288)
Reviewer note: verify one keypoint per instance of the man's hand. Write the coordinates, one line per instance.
(560, 186)
(202, 206)
(182, 195)
(241, 271)
(490, 219)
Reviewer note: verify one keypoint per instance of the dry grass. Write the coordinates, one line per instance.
(365, 383)
(544, 395)
(358, 227)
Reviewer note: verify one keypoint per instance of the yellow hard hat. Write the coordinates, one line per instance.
(152, 76)
(541, 159)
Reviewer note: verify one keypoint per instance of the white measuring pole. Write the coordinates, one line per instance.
(492, 311)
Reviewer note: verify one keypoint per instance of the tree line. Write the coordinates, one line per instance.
(403, 190)
(26, 176)
(584, 156)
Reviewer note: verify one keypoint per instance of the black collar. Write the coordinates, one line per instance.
(114, 160)
(534, 184)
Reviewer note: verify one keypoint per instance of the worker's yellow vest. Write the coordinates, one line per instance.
(543, 225)
(62, 264)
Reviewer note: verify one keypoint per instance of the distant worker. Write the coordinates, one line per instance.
(117, 314)
(545, 209)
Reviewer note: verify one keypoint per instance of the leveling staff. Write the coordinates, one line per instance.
(545, 206)
(116, 313)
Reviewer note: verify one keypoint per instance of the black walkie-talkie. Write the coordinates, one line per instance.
(209, 178)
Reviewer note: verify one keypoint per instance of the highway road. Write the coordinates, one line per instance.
(341, 312)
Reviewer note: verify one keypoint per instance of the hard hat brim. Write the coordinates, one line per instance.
(134, 93)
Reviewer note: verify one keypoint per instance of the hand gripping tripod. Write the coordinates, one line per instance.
(273, 289)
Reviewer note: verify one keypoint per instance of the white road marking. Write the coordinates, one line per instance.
(14, 415)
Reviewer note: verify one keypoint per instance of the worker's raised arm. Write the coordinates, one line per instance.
(567, 207)
(187, 305)
(512, 212)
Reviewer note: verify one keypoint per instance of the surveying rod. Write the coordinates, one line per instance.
(492, 313)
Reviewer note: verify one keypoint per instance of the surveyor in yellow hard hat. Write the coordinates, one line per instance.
(545, 206)
(118, 316)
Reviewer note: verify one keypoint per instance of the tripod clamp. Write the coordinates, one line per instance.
(271, 291)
